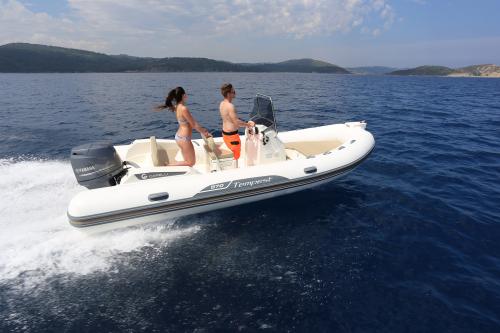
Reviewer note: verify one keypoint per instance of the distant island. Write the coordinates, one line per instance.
(470, 71)
(34, 58)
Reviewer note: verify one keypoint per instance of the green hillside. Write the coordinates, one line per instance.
(21, 57)
(32, 58)
(424, 70)
(306, 66)
(179, 64)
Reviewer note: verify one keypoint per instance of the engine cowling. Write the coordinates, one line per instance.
(96, 165)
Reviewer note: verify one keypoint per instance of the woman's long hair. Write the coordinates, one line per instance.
(173, 95)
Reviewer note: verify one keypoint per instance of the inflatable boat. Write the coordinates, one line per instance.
(133, 184)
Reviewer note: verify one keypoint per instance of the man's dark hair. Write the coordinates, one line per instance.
(226, 89)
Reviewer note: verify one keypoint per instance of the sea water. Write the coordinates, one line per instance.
(409, 241)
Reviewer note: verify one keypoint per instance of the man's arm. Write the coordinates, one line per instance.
(237, 121)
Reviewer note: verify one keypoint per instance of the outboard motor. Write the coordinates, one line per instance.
(97, 165)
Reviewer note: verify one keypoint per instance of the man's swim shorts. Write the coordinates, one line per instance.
(233, 142)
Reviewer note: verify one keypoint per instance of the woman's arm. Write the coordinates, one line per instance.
(194, 124)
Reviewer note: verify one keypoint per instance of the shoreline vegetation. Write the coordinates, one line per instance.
(35, 58)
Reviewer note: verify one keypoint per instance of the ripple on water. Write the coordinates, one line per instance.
(406, 242)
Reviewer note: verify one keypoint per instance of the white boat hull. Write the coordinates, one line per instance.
(312, 159)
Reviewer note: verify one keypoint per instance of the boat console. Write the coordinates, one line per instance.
(262, 145)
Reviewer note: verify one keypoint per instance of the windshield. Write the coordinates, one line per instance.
(263, 112)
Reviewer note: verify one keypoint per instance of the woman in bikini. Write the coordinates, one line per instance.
(186, 124)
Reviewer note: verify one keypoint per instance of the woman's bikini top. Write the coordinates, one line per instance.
(181, 121)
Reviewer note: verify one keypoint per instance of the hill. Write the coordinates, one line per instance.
(34, 58)
(424, 70)
(478, 70)
(306, 66)
(475, 70)
(20, 57)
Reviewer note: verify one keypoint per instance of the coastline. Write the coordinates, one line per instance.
(494, 76)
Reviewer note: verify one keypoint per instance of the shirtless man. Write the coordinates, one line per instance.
(230, 121)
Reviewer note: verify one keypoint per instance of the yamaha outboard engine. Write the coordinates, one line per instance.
(96, 165)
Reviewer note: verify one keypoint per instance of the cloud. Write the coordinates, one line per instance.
(19, 24)
(296, 18)
(107, 25)
(300, 18)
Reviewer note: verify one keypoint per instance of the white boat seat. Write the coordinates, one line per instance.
(219, 159)
(159, 157)
(215, 151)
(294, 154)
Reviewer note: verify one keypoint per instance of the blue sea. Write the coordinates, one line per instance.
(407, 242)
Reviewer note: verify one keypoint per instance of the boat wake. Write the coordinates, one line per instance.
(36, 241)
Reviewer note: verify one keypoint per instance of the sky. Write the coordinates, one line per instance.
(349, 33)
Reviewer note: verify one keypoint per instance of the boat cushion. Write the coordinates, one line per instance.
(158, 156)
(214, 150)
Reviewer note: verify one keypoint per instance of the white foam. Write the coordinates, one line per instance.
(36, 240)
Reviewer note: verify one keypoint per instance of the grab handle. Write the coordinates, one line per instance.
(158, 196)
(311, 169)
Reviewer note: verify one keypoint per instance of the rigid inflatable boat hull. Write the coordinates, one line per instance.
(127, 204)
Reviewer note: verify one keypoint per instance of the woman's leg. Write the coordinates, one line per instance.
(187, 150)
